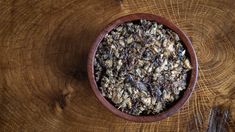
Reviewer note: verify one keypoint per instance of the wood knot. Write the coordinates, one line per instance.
(63, 99)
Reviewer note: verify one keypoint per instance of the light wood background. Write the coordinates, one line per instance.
(43, 52)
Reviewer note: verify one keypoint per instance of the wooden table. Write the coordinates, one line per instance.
(44, 46)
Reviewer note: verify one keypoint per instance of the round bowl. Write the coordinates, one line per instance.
(192, 79)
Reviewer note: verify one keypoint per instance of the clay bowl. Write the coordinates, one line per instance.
(191, 82)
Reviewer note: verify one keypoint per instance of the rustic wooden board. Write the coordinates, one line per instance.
(44, 46)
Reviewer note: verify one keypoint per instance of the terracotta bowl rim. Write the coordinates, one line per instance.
(186, 42)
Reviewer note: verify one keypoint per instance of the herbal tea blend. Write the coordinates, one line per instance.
(141, 67)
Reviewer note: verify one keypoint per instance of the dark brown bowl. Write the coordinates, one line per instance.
(187, 43)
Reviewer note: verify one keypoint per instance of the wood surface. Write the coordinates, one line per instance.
(44, 46)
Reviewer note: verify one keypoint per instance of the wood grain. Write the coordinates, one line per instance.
(44, 46)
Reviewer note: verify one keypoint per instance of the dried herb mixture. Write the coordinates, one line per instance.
(141, 67)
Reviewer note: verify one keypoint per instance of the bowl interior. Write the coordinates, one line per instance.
(186, 42)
